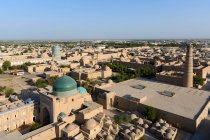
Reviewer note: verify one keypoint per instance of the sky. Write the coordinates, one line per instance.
(104, 19)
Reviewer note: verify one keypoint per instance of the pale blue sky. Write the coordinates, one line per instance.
(104, 19)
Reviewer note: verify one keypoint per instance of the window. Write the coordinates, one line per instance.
(167, 93)
(138, 86)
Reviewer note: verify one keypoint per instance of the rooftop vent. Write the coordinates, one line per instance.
(167, 93)
(138, 86)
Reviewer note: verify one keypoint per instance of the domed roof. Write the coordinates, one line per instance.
(62, 114)
(157, 124)
(166, 125)
(109, 137)
(137, 131)
(145, 126)
(133, 116)
(90, 124)
(169, 136)
(161, 120)
(170, 131)
(164, 128)
(140, 121)
(63, 85)
(131, 128)
(127, 131)
(82, 90)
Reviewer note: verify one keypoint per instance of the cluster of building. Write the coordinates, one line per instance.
(68, 111)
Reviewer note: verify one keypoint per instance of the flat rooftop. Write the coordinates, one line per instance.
(186, 102)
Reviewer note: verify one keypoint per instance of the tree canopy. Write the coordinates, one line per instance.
(150, 113)
(197, 81)
(6, 65)
(41, 83)
(7, 91)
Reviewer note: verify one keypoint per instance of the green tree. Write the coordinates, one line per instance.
(8, 92)
(1, 71)
(143, 138)
(41, 83)
(6, 65)
(25, 65)
(118, 119)
(35, 126)
(150, 113)
(127, 119)
(2, 88)
(197, 81)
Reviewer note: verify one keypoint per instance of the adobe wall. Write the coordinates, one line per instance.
(170, 79)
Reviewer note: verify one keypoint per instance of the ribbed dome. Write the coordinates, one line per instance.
(64, 86)
(90, 124)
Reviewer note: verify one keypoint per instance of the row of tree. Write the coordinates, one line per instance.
(7, 66)
(125, 73)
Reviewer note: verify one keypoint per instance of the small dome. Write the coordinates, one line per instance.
(146, 126)
(168, 135)
(133, 116)
(62, 114)
(157, 124)
(127, 131)
(131, 128)
(164, 128)
(107, 68)
(90, 124)
(82, 90)
(132, 134)
(64, 86)
(96, 66)
(162, 131)
(140, 121)
(137, 131)
(161, 120)
(109, 137)
(170, 131)
(166, 125)
(110, 81)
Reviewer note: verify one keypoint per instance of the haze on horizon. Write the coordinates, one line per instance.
(104, 19)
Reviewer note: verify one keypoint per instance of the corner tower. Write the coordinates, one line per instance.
(188, 68)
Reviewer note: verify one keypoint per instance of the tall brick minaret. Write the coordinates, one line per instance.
(188, 68)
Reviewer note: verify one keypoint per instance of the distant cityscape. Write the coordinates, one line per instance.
(104, 90)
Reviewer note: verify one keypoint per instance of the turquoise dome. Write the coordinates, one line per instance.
(64, 86)
(82, 90)
(62, 114)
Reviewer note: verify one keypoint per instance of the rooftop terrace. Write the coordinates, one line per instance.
(186, 102)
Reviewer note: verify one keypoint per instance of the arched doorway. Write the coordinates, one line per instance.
(46, 116)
